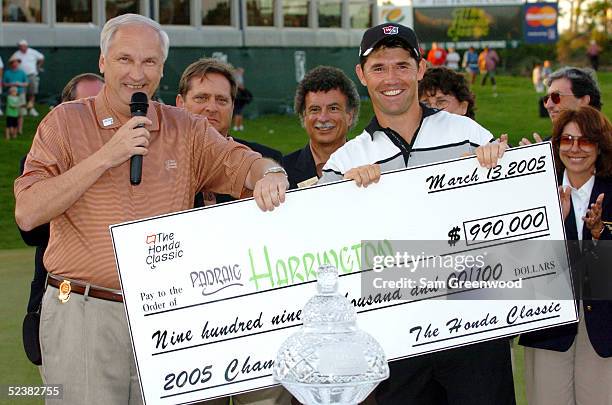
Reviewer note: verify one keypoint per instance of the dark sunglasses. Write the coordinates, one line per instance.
(555, 96)
(566, 142)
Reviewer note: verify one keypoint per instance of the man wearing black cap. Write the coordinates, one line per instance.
(404, 133)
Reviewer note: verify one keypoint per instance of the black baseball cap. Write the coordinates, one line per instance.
(374, 35)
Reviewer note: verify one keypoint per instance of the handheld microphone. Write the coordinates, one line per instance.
(138, 107)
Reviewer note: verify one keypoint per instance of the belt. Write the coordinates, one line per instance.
(86, 289)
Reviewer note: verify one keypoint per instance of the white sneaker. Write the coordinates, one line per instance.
(33, 112)
(1, 113)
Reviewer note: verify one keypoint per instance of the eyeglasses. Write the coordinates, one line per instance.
(566, 142)
(555, 96)
(440, 104)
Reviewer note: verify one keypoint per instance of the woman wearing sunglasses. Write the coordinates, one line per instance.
(572, 365)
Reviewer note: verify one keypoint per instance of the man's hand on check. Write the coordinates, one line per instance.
(270, 190)
(488, 154)
(536, 138)
(565, 194)
(364, 175)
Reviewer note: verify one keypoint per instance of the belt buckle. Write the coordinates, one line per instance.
(64, 291)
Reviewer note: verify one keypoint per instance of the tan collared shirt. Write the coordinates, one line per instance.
(186, 154)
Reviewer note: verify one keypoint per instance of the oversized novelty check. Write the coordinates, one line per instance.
(432, 257)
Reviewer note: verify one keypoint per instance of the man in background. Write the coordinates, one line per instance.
(208, 88)
(569, 88)
(14, 76)
(470, 63)
(80, 86)
(488, 60)
(31, 63)
(327, 102)
(436, 55)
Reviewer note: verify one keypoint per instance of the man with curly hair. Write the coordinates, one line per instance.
(327, 103)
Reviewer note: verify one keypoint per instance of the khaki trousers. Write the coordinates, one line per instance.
(578, 376)
(86, 347)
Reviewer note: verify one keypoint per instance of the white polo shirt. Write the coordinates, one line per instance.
(29, 60)
(441, 136)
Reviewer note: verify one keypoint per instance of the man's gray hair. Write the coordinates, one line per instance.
(583, 82)
(113, 25)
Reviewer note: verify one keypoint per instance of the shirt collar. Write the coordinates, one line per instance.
(374, 126)
(583, 192)
(107, 119)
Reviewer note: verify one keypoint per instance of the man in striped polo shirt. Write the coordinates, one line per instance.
(77, 177)
(404, 133)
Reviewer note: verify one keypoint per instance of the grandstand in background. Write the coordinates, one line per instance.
(275, 41)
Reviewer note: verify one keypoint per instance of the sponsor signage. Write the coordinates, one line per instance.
(540, 23)
(397, 15)
(468, 23)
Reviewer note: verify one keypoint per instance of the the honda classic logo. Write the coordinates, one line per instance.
(162, 247)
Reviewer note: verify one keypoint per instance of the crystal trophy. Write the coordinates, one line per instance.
(330, 360)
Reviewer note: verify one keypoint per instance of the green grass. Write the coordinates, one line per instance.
(17, 269)
(514, 112)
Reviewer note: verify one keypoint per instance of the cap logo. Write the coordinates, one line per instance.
(391, 30)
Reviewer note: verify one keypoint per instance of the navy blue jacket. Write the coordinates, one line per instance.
(592, 268)
(300, 166)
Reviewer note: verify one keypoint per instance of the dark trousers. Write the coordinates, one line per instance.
(479, 374)
(594, 61)
(490, 74)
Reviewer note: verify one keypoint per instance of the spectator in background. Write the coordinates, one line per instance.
(593, 52)
(13, 104)
(31, 63)
(568, 89)
(327, 103)
(436, 55)
(452, 59)
(447, 90)
(546, 71)
(571, 88)
(1, 75)
(243, 97)
(208, 88)
(536, 78)
(470, 63)
(14, 76)
(488, 60)
(80, 86)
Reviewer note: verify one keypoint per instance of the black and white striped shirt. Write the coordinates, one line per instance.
(440, 136)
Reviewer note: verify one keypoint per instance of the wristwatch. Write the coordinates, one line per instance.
(275, 169)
